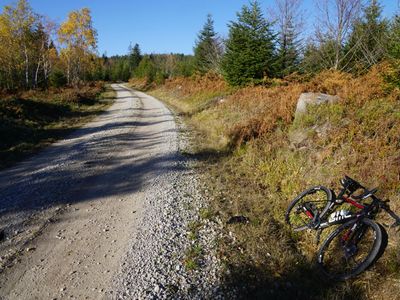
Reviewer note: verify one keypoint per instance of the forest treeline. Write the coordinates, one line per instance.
(350, 36)
(35, 52)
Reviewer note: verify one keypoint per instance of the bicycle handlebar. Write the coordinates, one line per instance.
(394, 216)
(350, 186)
(391, 213)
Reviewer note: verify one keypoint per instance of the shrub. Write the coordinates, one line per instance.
(58, 79)
(391, 74)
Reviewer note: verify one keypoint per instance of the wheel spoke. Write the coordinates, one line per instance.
(301, 215)
(300, 228)
(345, 260)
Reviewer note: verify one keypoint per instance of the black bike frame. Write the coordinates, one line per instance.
(364, 211)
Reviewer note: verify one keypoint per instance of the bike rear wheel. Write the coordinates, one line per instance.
(306, 207)
(350, 249)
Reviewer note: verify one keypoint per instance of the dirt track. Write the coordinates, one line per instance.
(68, 213)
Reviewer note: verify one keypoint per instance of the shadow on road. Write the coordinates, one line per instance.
(110, 157)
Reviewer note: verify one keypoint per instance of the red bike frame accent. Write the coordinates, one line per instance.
(354, 203)
(346, 236)
(347, 199)
(309, 214)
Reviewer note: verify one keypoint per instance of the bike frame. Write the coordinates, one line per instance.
(353, 226)
(320, 222)
(364, 211)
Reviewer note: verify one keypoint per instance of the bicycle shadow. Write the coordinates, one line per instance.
(305, 282)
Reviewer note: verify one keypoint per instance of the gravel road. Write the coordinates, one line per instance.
(104, 213)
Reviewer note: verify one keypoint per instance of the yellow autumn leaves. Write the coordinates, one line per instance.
(34, 50)
(79, 38)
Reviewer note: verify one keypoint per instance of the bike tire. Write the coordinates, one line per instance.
(299, 222)
(332, 258)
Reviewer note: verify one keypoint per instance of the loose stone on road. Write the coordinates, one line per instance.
(75, 206)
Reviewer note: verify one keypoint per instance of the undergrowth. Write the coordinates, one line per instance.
(258, 157)
(32, 120)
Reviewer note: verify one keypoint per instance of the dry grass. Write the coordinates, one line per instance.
(192, 93)
(34, 119)
(263, 170)
(260, 110)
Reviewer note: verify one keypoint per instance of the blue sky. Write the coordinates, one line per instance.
(159, 26)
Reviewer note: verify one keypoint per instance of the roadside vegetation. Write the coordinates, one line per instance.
(255, 165)
(31, 120)
(257, 155)
(239, 96)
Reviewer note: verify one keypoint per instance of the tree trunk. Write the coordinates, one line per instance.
(26, 67)
(69, 70)
(37, 74)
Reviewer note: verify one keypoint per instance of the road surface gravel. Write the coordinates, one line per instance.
(103, 214)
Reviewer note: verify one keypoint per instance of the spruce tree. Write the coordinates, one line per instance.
(287, 59)
(135, 56)
(146, 69)
(289, 23)
(394, 38)
(312, 61)
(368, 42)
(207, 51)
(249, 49)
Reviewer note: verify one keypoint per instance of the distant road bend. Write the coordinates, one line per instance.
(69, 212)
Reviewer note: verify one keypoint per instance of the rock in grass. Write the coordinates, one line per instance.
(306, 99)
(238, 220)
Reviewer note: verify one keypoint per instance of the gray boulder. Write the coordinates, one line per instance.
(313, 99)
(299, 137)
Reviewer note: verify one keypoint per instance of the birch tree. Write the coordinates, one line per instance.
(25, 39)
(79, 39)
(334, 26)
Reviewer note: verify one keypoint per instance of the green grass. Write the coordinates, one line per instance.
(262, 177)
(32, 122)
(192, 257)
(191, 265)
(259, 178)
(206, 213)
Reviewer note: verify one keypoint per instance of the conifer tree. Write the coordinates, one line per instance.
(394, 38)
(249, 49)
(288, 56)
(312, 61)
(368, 42)
(135, 56)
(208, 50)
(146, 69)
(289, 23)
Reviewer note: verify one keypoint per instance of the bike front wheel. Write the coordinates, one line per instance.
(350, 249)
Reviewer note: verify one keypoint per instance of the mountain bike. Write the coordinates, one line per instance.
(358, 241)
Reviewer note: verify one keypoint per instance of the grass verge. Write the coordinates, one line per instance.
(32, 120)
(257, 157)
